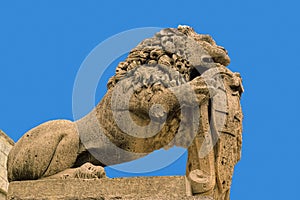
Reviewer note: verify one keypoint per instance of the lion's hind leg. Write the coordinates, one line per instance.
(43, 151)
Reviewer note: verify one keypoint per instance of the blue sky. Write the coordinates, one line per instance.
(43, 43)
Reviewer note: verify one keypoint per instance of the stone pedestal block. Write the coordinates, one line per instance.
(140, 188)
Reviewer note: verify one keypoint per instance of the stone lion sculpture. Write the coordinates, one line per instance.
(172, 89)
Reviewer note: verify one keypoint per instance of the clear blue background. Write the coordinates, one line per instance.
(43, 43)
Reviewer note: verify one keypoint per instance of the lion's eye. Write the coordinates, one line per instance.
(207, 59)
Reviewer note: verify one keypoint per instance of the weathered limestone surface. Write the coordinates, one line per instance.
(152, 188)
(5, 146)
(173, 89)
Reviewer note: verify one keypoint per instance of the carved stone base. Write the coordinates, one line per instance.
(163, 188)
